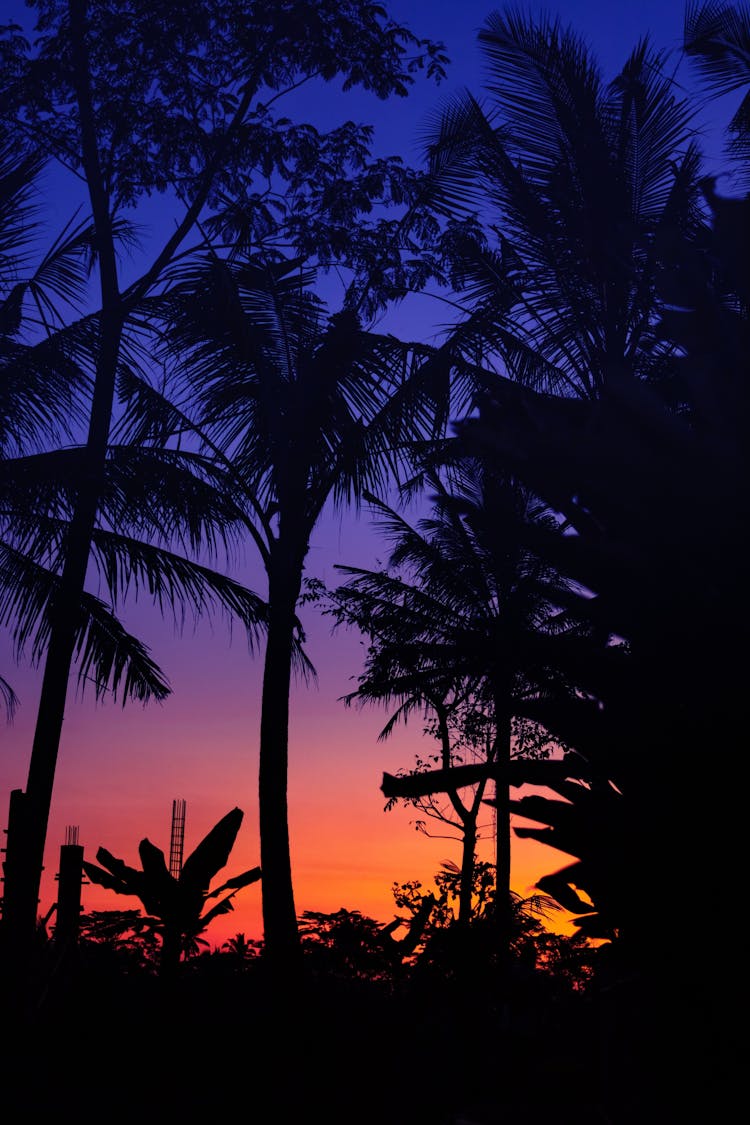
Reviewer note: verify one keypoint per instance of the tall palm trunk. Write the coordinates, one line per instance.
(20, 923)
(503, 912)
(281, 936)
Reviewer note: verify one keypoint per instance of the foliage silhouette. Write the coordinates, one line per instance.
(241, 947)
(452, 623)
(41, 400)
(717, 41)
(175, 906)
(651, 476)
(580, 185)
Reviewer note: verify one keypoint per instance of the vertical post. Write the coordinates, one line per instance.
(70, 878)
(19, 914)
(16, 883)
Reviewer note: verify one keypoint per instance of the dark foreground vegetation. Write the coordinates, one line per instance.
(362, 1037)
(417, 1022)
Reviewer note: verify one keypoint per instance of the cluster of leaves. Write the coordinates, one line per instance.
(350, 946)
(345, 944)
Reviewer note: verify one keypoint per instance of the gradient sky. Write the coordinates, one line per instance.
(120, 769)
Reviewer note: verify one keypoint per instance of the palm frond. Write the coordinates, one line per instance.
(19, 173)
(717, 40)
(174, 583)
(545, 83)
(9, 699)
(454, 139)
(171, 495)
(107, 656)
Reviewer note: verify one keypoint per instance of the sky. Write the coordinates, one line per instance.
(119, 769)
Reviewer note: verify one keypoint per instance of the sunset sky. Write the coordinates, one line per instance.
(119, 769)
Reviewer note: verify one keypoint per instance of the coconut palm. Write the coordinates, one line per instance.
(395, 673)
(37, 385)
(454, 619)
(581, 186)
(302, 410)
(44, 383)
(158, 510)
(652, 481)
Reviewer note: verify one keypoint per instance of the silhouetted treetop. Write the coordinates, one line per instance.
(206, 79)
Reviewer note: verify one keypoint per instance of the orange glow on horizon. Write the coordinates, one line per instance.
(119, 770)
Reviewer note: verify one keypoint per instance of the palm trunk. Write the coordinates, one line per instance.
(503, 912)
(281, 936)
(20, 926)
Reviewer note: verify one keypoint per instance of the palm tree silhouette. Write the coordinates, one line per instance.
(303, 410)
(92, 501)
(156, 511)
(582, 187)
(44, 383)
(454, 620)
(654, 479)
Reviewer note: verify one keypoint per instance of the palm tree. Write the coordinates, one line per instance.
(157, 509)
(43, 389)
(581, 188)
(587, 190)
(241, 948)
(39, 387)
(655, 485)
(301, 409)
(394, 674)
(652, 481)
(454, 620)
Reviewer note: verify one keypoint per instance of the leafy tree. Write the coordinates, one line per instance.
(175, 906)
(357, 947)
(196, 118)
(347, 944)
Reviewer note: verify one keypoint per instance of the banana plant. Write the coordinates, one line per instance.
(175, 905)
